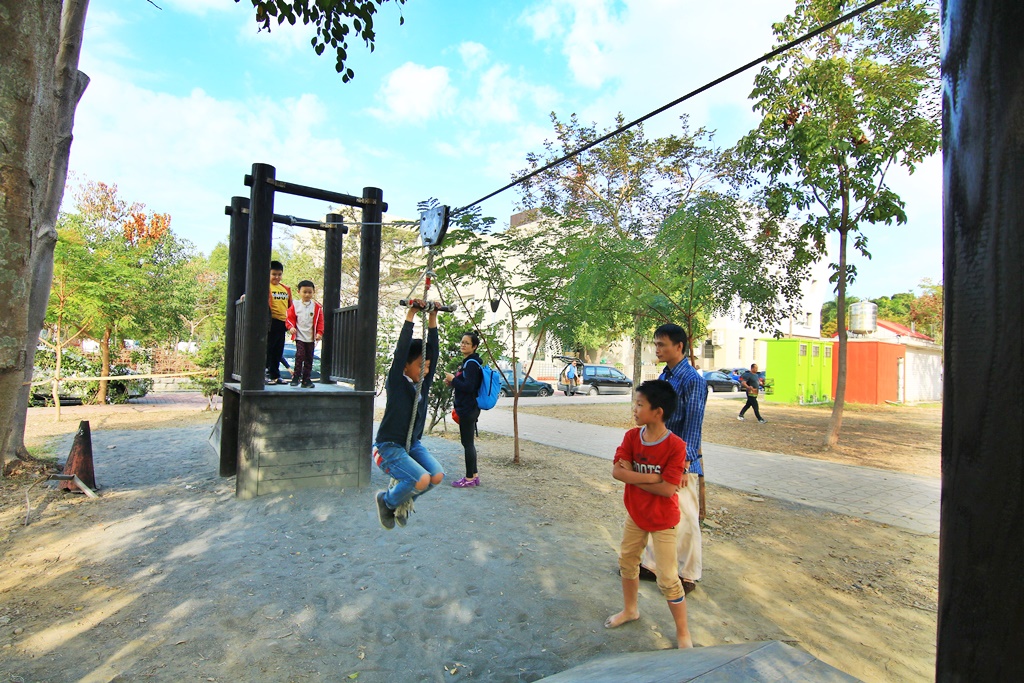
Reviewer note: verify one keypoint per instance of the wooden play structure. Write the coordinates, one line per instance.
(274, 438)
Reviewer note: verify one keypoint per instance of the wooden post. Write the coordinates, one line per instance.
(369, 284)
(238, 249)
(257, 278)
(981, 541)
(332, 294)
(80, 460)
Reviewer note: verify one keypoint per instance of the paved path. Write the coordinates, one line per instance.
(904, 500)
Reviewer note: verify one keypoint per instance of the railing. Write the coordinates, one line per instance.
(236, 369)
(343, 347)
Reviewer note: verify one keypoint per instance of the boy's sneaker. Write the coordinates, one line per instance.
(465, 483)
(740, 417)
(294, 382)
(761, 421)
(403, 511)
(385, 514)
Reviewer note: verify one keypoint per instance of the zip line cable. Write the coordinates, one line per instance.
(693, 93)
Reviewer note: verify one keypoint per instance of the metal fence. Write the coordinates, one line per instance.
(236, 365)
(343, 347)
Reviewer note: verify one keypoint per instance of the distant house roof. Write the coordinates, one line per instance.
(901, 330)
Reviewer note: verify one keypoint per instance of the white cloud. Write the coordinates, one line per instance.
(413, 93)
(640, 54)
(282, 41)
(494, 158)
(500, 95)
(187, 155)
(474, 55)
(544, 20)
(198, 7)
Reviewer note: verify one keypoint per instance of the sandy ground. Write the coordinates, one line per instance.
(169, 578)
(899, 438)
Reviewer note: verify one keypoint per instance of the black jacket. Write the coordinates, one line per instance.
(466, 384)
(394, 426)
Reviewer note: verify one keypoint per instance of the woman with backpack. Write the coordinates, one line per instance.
(465, 384)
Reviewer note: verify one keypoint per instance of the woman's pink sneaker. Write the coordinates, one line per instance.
(465, 483)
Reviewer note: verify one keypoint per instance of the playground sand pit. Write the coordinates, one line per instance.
(168, 577)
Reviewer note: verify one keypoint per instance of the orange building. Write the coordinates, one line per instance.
(894, 363)
(873, 371)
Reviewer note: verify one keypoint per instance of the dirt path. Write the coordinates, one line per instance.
(898, 438)
(169, 577)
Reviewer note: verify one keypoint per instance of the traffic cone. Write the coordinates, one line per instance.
(80, 460)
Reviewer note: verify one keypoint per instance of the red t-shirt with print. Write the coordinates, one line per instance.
(666, 457)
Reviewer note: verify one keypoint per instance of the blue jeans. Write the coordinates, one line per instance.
(407, 468)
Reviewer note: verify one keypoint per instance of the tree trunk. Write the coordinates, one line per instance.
(28, 32)
(58, 353)
(515, 394)
(45, 86)
(101, 395)
(836, 421)
(638, 354)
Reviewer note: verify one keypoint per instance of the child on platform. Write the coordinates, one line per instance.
(651, 461)
(413, 468)
(280, 300)
(306, 323)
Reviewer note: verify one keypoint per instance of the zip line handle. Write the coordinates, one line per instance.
(431, 306)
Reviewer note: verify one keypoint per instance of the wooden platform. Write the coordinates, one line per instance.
(290, 438)
(743, 663)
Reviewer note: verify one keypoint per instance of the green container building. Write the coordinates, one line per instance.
(798, 371)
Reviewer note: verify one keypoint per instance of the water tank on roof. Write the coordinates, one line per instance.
(863, 317)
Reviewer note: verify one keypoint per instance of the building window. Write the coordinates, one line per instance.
(828, 352)
(815, 351)
(803, 349)
(739, 349)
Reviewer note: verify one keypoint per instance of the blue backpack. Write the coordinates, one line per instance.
(490, 386)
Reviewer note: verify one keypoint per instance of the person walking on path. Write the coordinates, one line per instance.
(751, 383)
(465, 384)
(651, 461)
(686, 422)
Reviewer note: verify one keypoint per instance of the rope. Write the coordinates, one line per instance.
(427, 275)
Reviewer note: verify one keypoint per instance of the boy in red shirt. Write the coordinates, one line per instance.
(652, 463)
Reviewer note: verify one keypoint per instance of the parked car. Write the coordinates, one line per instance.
(528, 386)
(77, 392)
(719, 381)
(596, 379)
(289, 356)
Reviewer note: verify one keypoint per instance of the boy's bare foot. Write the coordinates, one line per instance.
(684, 642)
(623, 617)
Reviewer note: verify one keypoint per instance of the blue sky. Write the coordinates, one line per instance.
(183, 100)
